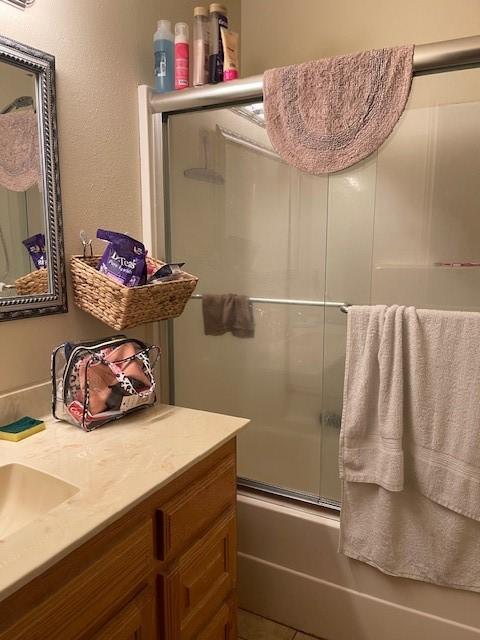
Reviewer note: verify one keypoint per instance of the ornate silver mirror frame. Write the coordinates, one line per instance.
(42, 66)
(21, 4)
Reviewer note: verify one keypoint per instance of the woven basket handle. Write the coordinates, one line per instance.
(124, 380)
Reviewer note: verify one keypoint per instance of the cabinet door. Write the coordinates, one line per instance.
(91, 595)
(202, 579)
(222, 626)
(133, 622)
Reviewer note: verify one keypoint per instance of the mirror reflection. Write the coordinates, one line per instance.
(23, 260)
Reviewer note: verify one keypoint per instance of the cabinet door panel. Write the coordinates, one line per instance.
(133, 622)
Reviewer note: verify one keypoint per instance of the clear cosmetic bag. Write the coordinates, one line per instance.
(103, 380)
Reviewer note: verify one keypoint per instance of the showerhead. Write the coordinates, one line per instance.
(204, 174)
(18, 103)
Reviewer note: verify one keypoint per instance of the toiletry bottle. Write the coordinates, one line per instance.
(230, 54)
(163, 47)
(182, 55)
(200, 46)
(218, 19)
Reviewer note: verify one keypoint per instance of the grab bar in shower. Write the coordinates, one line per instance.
(343, 306)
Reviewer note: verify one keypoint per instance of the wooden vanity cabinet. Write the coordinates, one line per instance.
(165, 570)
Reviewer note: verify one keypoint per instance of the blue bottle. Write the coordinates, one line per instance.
(164, 56)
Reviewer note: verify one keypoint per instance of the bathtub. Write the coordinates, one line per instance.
(290, 571)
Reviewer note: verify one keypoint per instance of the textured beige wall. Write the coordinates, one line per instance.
(280, 32)
(103, 50)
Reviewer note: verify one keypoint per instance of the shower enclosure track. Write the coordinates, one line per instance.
(437, 57)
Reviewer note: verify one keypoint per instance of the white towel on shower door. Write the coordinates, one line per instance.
(410, 443)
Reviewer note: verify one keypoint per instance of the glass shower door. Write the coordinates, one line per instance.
(400, 227)
(247, 223)
(403, 225)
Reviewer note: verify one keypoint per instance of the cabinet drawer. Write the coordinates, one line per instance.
(133, 622)
(203, 579)
(222, 626)
(190, 512)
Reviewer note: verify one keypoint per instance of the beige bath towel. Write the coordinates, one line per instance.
(325, 115)
(410, 443)
(228, 312)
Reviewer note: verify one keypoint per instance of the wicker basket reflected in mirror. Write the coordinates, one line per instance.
(122, 307)
(34, 282)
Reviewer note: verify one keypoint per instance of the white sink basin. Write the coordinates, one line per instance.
(26, 494)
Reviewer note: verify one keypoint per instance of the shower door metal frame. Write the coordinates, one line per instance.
(154, 111)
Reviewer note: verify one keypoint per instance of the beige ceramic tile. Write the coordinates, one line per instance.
(252, 627)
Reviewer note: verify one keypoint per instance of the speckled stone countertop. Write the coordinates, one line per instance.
(115, 467)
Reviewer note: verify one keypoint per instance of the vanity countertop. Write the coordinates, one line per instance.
(115, 468)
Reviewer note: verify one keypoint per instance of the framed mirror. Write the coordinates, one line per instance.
(21, 4)
(32, 265)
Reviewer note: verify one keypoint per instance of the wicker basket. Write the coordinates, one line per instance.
(34, 282)
(123, 307)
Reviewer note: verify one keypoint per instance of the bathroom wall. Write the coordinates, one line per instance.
(279, 32)
(103, 51)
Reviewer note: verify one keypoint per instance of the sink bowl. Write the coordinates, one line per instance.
(26, 494)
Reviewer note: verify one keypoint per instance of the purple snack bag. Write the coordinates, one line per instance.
(124, 258)
(35, 246)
